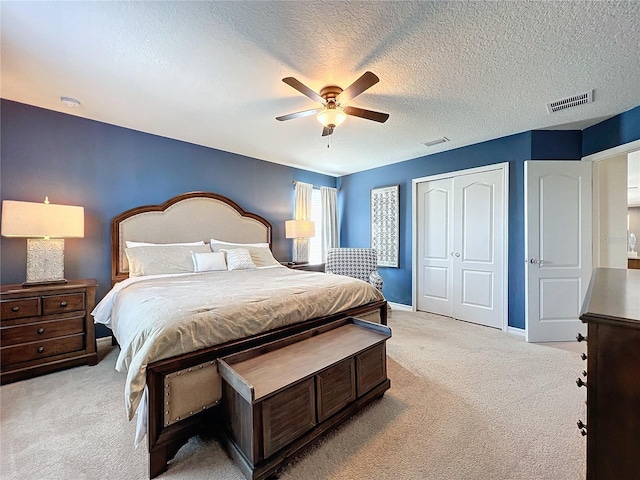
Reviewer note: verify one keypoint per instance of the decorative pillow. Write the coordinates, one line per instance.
(208, 262)
(239, 259)
(221, 242)
(157, 260)
(261, 256)
(146, 244)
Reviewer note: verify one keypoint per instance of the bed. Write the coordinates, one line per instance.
(173, 325)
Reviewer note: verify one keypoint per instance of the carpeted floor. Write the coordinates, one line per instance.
(466, 402)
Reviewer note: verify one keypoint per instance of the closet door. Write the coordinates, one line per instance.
(460, 246)
(435, 238)
(478, 248)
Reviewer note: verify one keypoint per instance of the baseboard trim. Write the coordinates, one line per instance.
(400, 306)
(516, 331)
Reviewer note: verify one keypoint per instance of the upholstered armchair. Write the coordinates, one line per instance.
(355, 262)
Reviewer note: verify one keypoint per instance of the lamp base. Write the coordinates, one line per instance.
(300, 250)
(45, 261)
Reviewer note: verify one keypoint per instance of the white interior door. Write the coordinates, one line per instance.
(478, 248)
(435, 239)
(461, 246)
(558, 245)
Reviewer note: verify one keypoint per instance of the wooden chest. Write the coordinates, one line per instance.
(279, 397)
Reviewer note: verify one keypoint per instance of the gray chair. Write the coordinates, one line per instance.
(361, 263)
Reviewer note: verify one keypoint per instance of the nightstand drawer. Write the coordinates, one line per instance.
(62, 303)
(19, 308)
(46, 348)
(34, 332)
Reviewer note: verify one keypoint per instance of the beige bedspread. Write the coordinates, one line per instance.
(157, 318)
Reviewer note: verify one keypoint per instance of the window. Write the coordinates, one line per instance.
(315, 243)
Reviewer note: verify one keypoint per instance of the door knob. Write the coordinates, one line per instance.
(534, 261)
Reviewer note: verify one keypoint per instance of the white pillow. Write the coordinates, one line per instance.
(261, 256)
(208, 262)
(239, 259)
(221, 242)
(158, 260)
(146, 244)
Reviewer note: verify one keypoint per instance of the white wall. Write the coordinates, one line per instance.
(610, 206)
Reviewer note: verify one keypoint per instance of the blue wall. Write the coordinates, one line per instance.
(515, 149)
(108, 169)
(618, 130)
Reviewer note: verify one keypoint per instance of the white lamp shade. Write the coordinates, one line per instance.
(331, 116)
(299, 229)
(35, 220)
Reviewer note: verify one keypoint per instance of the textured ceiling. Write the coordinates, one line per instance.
(210, 73)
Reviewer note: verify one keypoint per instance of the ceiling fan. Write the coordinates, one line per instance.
(333, 99)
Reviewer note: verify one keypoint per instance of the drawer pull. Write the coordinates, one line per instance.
(581, 338)
(15, 309)
(583, 356)
(40, 349)
(582, 427)
(63, 304)
(40, 331)
(581, 383)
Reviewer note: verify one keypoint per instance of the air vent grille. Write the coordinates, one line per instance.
(436, 142)
(569, 102)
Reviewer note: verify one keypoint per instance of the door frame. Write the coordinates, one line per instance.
(504, 166)
(624, 149)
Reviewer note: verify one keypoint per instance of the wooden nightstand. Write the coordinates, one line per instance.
(308, 267)
(46, 328)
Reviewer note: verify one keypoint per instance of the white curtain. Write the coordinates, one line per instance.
(330, 236)
(302, 205)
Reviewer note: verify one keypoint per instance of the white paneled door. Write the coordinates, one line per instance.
(558, 247)
(461, 246)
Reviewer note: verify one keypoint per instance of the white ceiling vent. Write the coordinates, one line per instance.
(436, 142)
(573, 101)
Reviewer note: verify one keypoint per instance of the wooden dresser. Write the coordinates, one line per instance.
(612, 313)
(46, 328)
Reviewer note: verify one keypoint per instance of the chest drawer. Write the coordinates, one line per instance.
(71, 302)
(46, 348)
(19, 308)
(33, 332)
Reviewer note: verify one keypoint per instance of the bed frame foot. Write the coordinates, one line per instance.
(160, 456)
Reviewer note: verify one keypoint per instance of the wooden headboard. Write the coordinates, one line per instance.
(188, 217)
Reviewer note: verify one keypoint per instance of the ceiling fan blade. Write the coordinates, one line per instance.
(302, 88)
(327, 131)
(367, 80)
(304, 113)
(368, 114)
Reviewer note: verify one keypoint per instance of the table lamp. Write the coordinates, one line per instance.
(300, 231)
(45, 225)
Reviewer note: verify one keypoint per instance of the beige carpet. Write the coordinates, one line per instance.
(466, 402)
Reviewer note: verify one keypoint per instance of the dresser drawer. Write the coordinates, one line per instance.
(19, 308)
(35, 332)
(62, 303)
(43, 349)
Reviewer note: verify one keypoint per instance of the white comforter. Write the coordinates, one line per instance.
(162, 316)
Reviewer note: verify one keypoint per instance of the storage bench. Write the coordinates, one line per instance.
(278, 397)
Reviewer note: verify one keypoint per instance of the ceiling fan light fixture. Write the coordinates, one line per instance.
(331, 117)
